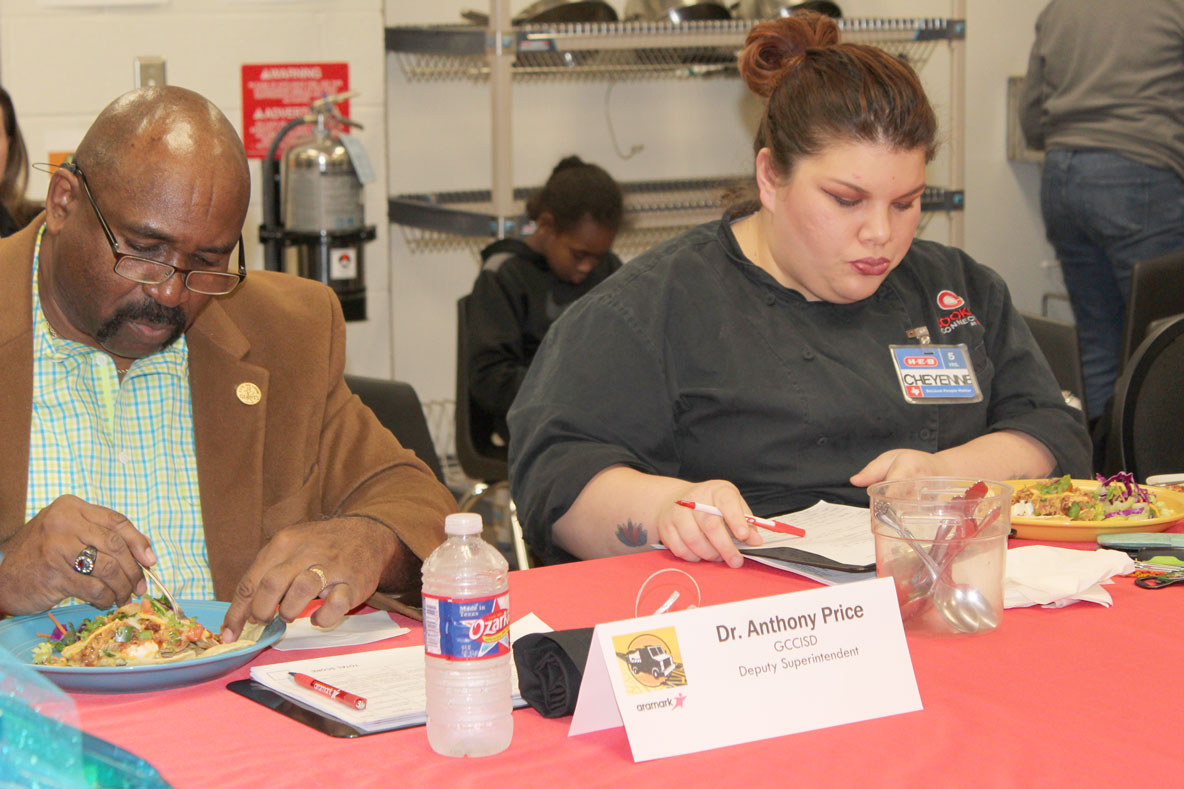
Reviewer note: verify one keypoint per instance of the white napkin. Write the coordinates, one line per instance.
(357, 629)
(1056, 577)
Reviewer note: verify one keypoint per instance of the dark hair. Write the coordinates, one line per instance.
(575, 190)
(818, 91)
(15, 177)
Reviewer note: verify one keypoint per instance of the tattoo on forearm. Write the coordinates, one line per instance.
(632, 534)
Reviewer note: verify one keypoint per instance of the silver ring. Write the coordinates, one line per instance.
(85, 562)
(320, 574)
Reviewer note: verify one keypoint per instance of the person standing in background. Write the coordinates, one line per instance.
(1104, 98)
(15, 209)
(526, 284)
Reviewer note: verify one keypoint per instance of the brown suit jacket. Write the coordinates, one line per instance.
(308, 450)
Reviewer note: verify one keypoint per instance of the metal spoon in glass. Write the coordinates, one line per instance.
(962, 605)
(151, 576)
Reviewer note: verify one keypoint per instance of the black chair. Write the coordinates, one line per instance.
(480, 458)
(1059, 343)
(1157, 292)
(1148, 411)
(398, 408)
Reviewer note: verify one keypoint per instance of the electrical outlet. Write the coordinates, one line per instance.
(148, 70)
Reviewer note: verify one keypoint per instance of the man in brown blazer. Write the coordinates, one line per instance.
(302, 492)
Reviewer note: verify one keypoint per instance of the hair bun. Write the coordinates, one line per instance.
(777, 45)
(568, 162)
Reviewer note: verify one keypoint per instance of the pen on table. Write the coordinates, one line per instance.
(337, 694)
(767, 523)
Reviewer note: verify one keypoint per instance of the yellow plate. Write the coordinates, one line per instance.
(1065, 530)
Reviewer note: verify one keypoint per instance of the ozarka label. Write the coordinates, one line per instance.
(470, 629)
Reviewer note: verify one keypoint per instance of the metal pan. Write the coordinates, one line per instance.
(767, 9)
(554, 11)
(675, 10)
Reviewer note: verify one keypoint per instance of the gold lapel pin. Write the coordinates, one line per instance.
(248, 393)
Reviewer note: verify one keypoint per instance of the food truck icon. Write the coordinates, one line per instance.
(652, 659)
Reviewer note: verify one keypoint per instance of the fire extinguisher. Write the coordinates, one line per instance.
(313, 203)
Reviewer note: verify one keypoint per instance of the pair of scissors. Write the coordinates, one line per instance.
(1161, 580)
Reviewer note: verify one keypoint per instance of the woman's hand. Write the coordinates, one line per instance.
(1006, 454)
(695, 535)
(902, 464)
(622, 510)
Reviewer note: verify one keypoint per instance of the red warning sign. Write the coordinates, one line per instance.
(274, 93)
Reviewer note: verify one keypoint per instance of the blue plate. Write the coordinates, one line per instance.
(19, 635)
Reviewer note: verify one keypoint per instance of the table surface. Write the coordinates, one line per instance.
(1083, 696)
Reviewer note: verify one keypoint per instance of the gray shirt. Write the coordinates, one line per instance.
(692, 362)
(1108, 75)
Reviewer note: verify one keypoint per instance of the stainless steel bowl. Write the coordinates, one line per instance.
(767, 9)
(542, 12)
(548, 11)
(675, 10)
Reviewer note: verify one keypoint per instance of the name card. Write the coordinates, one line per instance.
(725, 674)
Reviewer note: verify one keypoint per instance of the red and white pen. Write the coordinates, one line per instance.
(337, 694)
(766, 523)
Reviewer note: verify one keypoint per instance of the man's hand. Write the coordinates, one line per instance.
(695, 535)
(38, 570)
(352, 553)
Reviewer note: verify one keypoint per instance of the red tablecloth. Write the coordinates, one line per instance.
(1079, 696)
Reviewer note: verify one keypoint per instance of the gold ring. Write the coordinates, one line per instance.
(320, 574)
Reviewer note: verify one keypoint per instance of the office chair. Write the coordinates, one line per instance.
(398, 408)
(1157, 292)
(1148, 412)
(480, 459)
(1059, 343)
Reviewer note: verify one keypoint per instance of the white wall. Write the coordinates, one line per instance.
(63, 65)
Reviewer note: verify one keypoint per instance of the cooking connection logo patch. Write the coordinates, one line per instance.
(650, 661)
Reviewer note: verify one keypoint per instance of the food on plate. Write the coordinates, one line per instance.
(136, 634)
(1110, 498)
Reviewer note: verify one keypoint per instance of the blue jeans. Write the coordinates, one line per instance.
(1102, 214)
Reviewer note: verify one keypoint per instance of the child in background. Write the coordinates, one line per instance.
(525, 284)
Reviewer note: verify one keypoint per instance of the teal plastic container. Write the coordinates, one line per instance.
(42, 747)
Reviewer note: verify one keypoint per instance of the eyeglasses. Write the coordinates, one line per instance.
(153, 272)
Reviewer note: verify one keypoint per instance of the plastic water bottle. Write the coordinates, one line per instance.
(466, 626)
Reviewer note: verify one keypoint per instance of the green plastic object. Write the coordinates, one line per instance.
(41, 746)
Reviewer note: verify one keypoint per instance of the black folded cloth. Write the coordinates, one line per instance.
(550, 667)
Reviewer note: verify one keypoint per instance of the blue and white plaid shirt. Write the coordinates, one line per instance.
(126, 445)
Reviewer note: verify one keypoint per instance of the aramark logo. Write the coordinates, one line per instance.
(949, 300)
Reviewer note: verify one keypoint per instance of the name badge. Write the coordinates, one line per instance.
(726, 674)
(935, 373)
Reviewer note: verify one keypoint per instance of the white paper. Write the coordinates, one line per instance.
(391, 681)
(350, 631)
(836, 531)
(1055, 577)
(707, 677)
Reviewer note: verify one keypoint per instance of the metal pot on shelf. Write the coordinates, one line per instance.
(542, 12)
(679, 12)
(768, 9)
(675, 10)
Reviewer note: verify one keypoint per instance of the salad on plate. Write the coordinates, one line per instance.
(1115, 497)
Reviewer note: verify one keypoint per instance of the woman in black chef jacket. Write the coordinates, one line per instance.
(801, 348)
